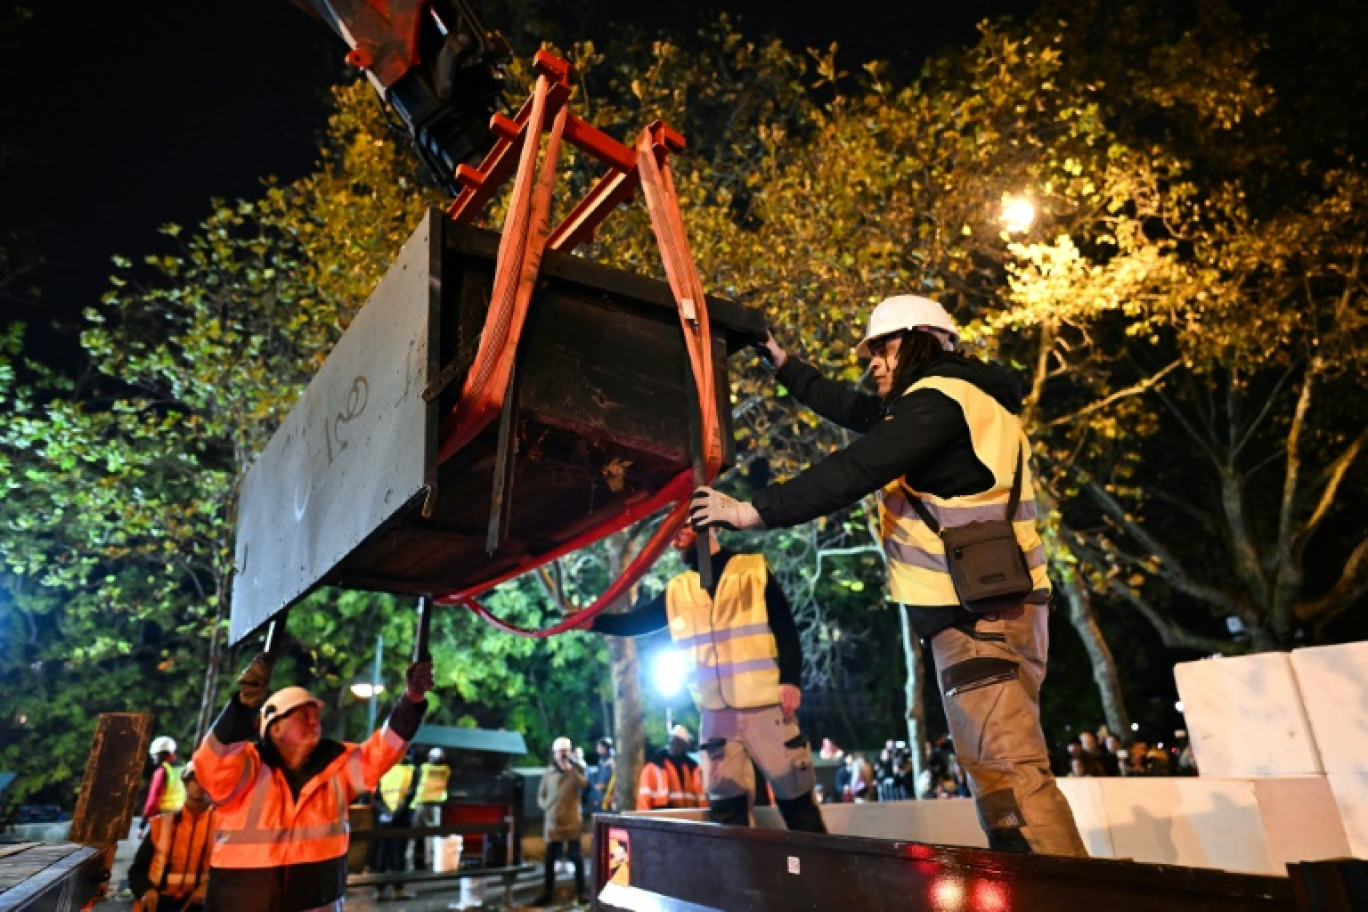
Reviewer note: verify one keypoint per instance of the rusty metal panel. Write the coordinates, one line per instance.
(357, 449)
(113, 778)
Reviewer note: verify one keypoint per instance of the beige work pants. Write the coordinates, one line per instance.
(990, 680)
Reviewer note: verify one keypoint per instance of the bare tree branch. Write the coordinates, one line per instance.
(1133, 390)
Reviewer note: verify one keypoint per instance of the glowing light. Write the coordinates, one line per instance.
(364, 690)
(1135, 726)
(1018, 214)
(1178, 706)
(990, 896)
(669, 672)
(947, 894)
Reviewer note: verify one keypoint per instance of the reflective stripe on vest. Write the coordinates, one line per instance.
(734, 660)
(662, 787)
(917, 572)
(173, 789)
(394, 785)
(180, 858)
(270, 832)
(432, 783)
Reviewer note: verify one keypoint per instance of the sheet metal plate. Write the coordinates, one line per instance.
(357, 448)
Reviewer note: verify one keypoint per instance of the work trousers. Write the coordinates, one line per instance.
(732, 738)
(990, 677)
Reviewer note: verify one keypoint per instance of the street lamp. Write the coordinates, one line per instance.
(1018, 213)
(368, 690)
(668, 672)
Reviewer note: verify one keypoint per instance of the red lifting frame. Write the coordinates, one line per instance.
(525, 237)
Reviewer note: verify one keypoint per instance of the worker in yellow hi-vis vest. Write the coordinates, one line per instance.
(393, 809)
(432, 794)
(745, 674)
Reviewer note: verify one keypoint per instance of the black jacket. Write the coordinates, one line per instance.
(921, 436)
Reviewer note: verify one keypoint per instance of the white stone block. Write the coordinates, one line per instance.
(1245, 717)
(1351, 794)
(1250, 825)
(1334, 686)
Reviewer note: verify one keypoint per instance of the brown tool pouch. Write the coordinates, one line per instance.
(984, 558)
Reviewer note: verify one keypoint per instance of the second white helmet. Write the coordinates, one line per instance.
(903, 312)
(162, 744)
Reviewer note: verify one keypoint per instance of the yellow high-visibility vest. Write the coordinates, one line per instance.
(735, 660)
(432, 783)
(394, 785)
(917, 571)
(173, 791)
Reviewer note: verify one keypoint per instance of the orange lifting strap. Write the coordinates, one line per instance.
(524, 240)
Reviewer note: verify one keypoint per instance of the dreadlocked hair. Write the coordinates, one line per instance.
(918, 351)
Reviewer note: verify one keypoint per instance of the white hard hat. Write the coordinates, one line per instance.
(436, 755)
(561, 744)
(680, 731)
(188, 772)
(282, 702)
(162, 744)
(904, 312)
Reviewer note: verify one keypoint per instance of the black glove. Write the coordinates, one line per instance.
(418, 680)
(254, 684)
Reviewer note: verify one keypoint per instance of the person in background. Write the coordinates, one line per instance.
(282, 837)
(393, 806)
(166, 792)
(603, 781)
(433, 777)
(670, 778)
(170, 872)
(559, 796)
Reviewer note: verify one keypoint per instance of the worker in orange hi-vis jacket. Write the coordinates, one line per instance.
(283, 837)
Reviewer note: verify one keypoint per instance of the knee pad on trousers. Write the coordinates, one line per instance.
(733, 811)
(802, 814)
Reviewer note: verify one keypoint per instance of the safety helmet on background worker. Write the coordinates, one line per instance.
(901, 313)
(682, 733)
(162, 745)
(561, 744)
(188, 772)
(436, 755)
(283, 702)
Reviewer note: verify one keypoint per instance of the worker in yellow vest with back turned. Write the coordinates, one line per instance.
(393, 809)
(746, 668)
(432, 794)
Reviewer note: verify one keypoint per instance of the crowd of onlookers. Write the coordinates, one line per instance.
(1105, 754)
(891, 776)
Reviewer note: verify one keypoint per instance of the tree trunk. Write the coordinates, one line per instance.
(629, 733)
(913, 695)
(212, 665)
(1099, 654)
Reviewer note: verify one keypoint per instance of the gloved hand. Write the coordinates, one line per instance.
(710, 508)
(771, 352)
(418, 680)
(254, 684)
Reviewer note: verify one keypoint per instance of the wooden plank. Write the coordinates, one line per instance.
(113, 778)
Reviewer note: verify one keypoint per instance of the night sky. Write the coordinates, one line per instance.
(117, 117)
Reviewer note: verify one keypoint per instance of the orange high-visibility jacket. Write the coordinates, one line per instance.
(260, 823)
(661, 786)
(180, 854)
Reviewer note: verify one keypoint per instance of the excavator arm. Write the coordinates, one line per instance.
(434, 63)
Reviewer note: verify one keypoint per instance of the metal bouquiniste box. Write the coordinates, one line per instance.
(349, 492)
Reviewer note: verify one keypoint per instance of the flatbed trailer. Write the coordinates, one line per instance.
(668, 865)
